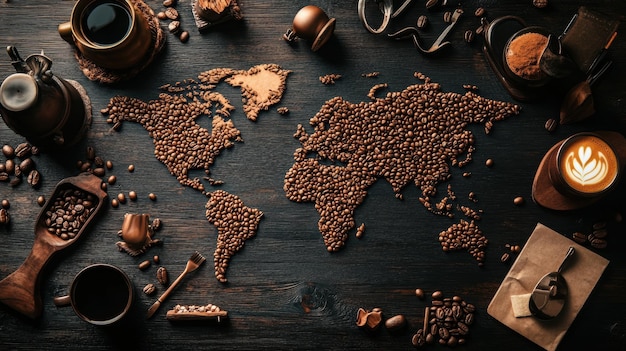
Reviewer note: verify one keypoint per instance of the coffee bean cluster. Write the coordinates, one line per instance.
(19, 165)
(464, 236)
(411, 136)
(235, 224)
(68, 211)
(596, 239)
(170, 13)
(5, 218)
(446, 322)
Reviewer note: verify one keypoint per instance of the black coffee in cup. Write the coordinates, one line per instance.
(100, 294)
(106, 23)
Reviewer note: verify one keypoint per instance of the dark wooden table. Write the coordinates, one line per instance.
(286, 266)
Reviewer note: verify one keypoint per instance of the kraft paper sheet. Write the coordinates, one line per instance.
(543, 253)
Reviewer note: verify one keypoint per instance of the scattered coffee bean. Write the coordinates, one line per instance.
(598, 243)
(418, 339)
(447, 17)
(41, 200)
(109, 164)
(152, 196)
(98, 172)
(34, 178)
(540, 3)
(23, 150)
(98, 161)
(469, 36)
(162, 276)
(9, 166)
(518, 201)
(599, 225)
(395, 323)
(579, 237)
(419, 293)
(161, 15)
(156, 224)
(489, 162)
(505, 257)
(149, 289)
(551, 125)
(112, 179)
(480, 12)
(5, 204)
(8, 151)
(360, 230)
(169, 3)
(156, 259)
(5, 218)
(115, 203)
(184, 36)
(131, 168)
(144, 265)
(104, 186)
(516, 248)
(174, 27)
(132, 195)
(171, 13)
(121, 198)
(422, 22)
(90, 153)
(479, 30)
(600, 233)
(437, 295)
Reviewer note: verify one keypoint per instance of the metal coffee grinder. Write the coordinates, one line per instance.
(52, 113)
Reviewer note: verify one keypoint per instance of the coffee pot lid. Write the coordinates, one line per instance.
(18, 92)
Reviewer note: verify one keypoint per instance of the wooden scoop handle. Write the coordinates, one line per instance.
(20, 290)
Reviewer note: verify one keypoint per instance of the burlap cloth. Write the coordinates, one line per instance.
(104, 75)
(543, 253)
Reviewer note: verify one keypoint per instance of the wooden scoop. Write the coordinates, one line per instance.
(20, 290)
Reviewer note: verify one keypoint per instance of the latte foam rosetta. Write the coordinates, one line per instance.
(588, 164)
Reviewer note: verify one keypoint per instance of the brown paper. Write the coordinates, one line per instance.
(543, 253)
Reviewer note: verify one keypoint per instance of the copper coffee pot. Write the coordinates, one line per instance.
(47, 110)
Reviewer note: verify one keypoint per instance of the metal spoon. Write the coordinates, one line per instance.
(550, 293)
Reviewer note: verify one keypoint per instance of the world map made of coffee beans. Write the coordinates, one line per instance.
(412, 136)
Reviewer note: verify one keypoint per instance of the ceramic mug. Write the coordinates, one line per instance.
(113, 34)
(100, 294)
(585, 165)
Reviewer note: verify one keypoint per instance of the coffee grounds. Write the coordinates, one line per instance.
(412, 136)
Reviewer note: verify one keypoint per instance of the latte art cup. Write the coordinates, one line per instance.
(585, 165)
(113, 34)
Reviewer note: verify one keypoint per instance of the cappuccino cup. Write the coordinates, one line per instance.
(100, 294)
(113, 34)
(585, 165)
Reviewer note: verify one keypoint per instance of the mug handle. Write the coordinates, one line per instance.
(62, 301)
(65, 30)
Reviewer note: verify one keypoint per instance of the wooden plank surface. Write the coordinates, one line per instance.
(286, 267)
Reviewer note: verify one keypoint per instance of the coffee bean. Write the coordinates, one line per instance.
(184, 36)
(112, 179)
(598, 243)
(551, 125)
(447, 17)
(540, 3)
(479, 30)
(505, 257)
(156, 224)
(169, 3)
(41, 200)
(437, 295)
(489, 162)
(599, 225)
(149, 289)
(15, 181)
(98, 161)
(34, 178)
(422, 22)
(98, 172)
(144, 265)
(162, 276)
(418, 339)
(9, 166)
(152, 196)
(171, 13)
(161, 15)
(5, 218)
(480, 12)
(395, 323)
(174, 27)
(419, 293)
(4, 177)
(5, 204)
(121, 198)
(23, 150)
(156, 259)
(115, 203)
(131, 168)
(8, 151)
(600, 233)
(109, 164)
(469, 36)
(518, 201)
